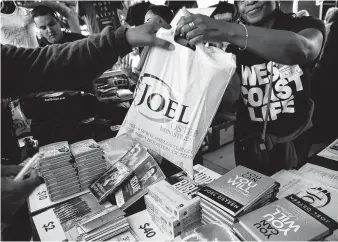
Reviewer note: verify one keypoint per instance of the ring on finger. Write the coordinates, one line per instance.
(192, 25)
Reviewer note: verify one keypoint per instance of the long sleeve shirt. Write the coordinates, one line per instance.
(60, 67)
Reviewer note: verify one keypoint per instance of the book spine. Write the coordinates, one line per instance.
(170, 224)
(171, 233)
(179, 213)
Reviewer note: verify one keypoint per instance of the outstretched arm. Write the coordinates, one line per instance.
(71, 64)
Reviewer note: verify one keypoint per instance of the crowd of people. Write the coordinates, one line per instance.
(285, 80)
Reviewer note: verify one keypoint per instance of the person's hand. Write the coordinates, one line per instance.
(126, 65)
(144, 35)
(15, 193)
(198, 28)
(10, 170)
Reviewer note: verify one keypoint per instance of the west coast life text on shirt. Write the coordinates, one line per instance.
(255, 85)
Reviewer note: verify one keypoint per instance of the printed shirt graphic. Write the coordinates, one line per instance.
(18, 29)
(289, 105)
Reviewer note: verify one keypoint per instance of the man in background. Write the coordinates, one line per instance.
(49, 25)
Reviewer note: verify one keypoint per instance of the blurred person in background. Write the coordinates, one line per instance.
(330, 15)
(268, 42)
(49, 25)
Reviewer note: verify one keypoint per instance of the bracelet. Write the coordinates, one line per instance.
(246, 37)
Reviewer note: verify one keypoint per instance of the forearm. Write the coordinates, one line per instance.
(284, 47)
(67, 65)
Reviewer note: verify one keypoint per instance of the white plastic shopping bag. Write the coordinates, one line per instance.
(176, 99)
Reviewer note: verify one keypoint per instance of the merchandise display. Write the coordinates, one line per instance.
(236, 193)
(138, 132)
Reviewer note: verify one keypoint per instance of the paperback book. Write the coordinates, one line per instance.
(108, 183)
(146, 172)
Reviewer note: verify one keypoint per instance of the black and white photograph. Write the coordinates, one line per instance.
(197, 120)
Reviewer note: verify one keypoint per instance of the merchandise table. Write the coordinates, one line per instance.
(140, 204)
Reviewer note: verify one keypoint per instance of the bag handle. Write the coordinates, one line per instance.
(268, 105)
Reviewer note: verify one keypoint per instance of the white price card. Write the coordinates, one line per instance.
(49, 227)
(39, 199)
(145, 228)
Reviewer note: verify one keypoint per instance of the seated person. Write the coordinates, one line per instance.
(49, 24)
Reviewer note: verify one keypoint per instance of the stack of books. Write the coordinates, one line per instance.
(89, 161)
(287, 219)
(236, 193)
(319, 195)
(100, 226)
(57, 170)
(172, 211)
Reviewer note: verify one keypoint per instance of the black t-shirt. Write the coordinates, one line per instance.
(67, 37)
(100, 14)
(291, 85)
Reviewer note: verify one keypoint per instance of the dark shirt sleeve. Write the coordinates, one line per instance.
(60, 67)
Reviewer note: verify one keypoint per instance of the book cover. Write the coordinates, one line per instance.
(145, 173)
(59, 149)
(173, 201)
(320, 196)
(330, 152)
(144, 228)
(40, 199)
(237, 189)
(319, 173)
(110, 181)
(85, 147)
(288, 219)
(189, 187)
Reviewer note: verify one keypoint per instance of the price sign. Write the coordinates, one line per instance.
(48, 226)
(149, 232)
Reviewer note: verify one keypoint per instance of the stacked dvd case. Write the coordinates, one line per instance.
(287, 219)
(236, 193)
(172, 211)
(89, 161)
(57, 170)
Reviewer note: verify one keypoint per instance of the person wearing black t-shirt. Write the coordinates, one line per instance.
(49, 25)
(267, 39)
